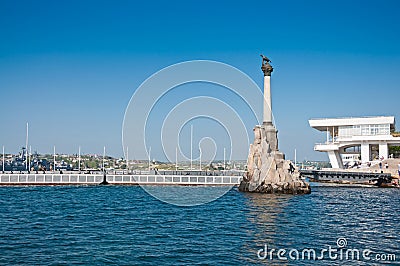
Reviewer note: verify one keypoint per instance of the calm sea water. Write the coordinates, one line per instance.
(124, 225)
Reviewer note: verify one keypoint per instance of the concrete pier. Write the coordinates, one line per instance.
(348, 177)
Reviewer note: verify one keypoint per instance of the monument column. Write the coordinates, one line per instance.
(267, 169)
(267, 119)
(270, 130)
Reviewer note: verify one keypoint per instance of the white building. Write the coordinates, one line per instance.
(361, 139)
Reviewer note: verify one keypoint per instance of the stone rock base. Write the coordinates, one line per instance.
(267, 169)
(298, 187)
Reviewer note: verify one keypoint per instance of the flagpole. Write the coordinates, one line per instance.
(127, 160)
(79, 158)
(224, 160)
(191, 147)
(54, 158)
(149, 157)
(26, 146)
(104, 155)
(176, 159)
(200, 159)
(30, 153)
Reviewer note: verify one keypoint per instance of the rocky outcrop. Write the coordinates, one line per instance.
(267, 169)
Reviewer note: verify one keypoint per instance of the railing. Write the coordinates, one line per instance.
(349, 117)
(327, 143)
(50, 178)
(21, 179)
(326, 146)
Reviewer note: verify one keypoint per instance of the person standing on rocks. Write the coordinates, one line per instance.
(398, 166)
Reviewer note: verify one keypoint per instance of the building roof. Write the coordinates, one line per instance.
(322, 123)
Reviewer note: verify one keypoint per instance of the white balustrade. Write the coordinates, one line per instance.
(117, 179)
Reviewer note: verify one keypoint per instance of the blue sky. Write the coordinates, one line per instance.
(69, 68)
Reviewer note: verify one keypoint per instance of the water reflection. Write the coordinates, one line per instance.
(262, 212)
(365, 217)
(186, 195)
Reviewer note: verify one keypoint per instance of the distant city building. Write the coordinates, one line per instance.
(353, 140)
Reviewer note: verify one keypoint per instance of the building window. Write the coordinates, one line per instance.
(373, 130)
(364, 130)
(349, 131)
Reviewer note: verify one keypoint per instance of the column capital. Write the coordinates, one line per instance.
(267, 69)
(266, 66)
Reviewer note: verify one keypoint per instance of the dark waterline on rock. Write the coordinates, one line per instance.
(124, 225)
